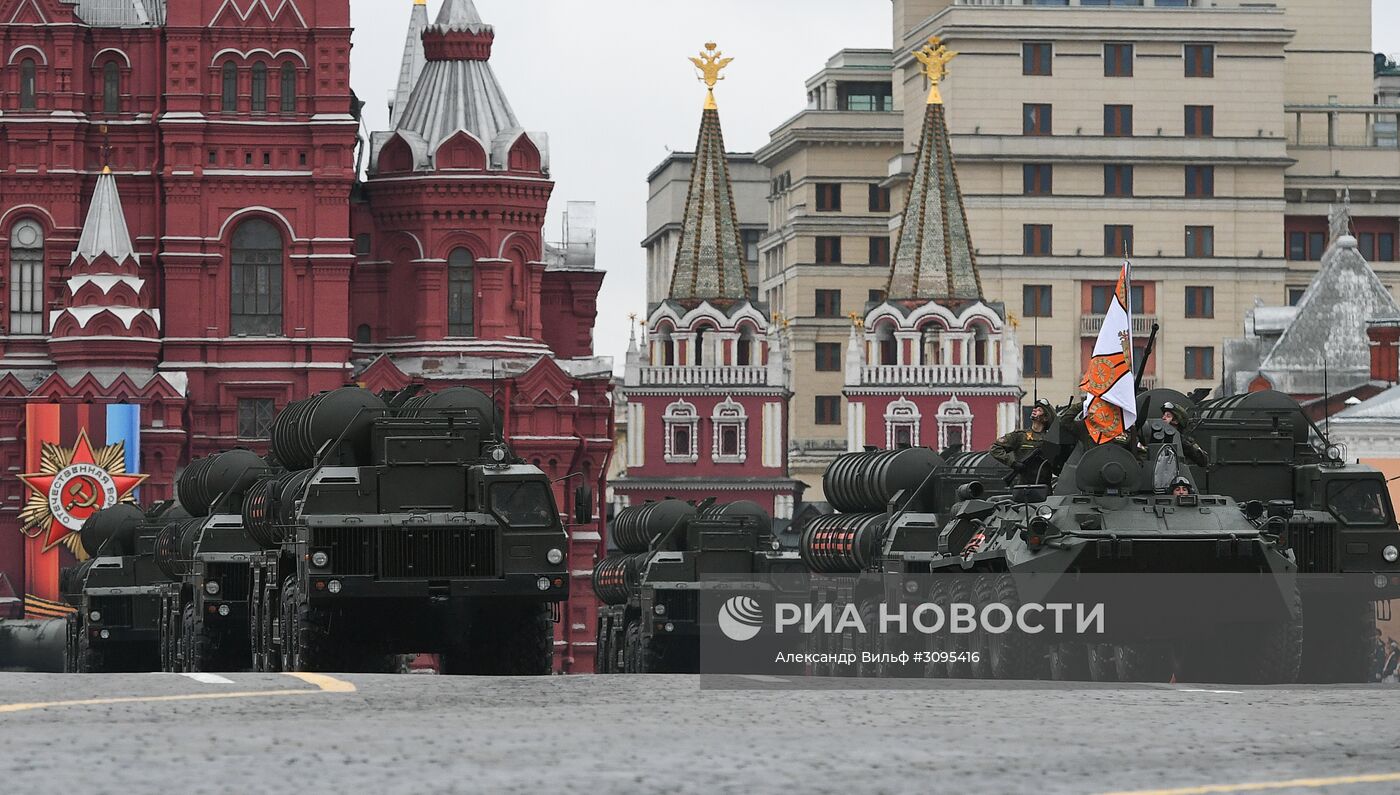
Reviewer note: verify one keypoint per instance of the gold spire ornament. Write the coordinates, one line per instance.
(710, 63)
(935, 57)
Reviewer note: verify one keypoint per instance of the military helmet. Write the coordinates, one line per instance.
(1179, 413)
(1181, 481)
(1045, 404)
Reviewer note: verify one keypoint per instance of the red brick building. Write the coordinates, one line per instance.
(252, 266)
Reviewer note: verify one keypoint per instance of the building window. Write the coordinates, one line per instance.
(1295, 295)
(1037, 239)
(1377, 247)
(1200, 182)
(111, 88)
(230, 88)
(1200, 302)
(682, 422)
(461, 294)
(1118, 60)
(1037, 179)
(876, 296)
(1118, 120)
(1200, 60)
(1117, 240)
(1036, 57)
(828, 357)
(879, 251)
(255, 418)
(828, 409)
(259, 87)
(954, 425)
(28, 84)
(256, 306)
(879, 199)
(1100, 295)
(902, 421)
(1200, 241)
(363, 244)
(867, 97)
(751, 238)
(1036, 119)
(364, 335)
(828, 197)
(1200, 364)
(1304, 246)
(1200, 121)
(828, 303)
(1038, 360)
(1036, 301)
(828, 251)
(288, 96)
(27, 278)
(1118, 181)
(730, 427)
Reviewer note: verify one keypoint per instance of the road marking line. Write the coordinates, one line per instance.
(1199, 690)
(208, 679)
(761, 678)
(324, 684)
(1260, 786)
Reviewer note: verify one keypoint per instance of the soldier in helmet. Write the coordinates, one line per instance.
(1021, 449)
(1181, 487)
(1178, 417)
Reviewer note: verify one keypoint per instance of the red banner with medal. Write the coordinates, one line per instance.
(80, 458)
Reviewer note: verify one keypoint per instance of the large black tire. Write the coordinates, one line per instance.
(980, 641)
(1012, 654)
(1069, 662)
(1280, 657)
(89, 659)
(868, 643)
(960, 647)
(1143, 662)
(1338, 640)
(632, 649)
(523, 641)
(304, 642)
(1103, 662)
(939, 645)
(601, 661)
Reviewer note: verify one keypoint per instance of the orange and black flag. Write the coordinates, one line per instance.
(1110, 399)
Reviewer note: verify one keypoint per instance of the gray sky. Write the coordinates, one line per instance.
(611, 84)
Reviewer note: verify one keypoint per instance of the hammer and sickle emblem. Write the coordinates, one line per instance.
(80, 493)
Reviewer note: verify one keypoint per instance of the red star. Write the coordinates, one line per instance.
(41, 482)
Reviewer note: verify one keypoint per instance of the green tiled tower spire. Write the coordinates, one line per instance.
(710, 254)
(934, 258)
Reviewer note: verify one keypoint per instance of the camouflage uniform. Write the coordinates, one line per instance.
(1193, 451)
(1015, 448)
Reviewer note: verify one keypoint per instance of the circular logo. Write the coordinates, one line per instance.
(740, 618)
(80, 491)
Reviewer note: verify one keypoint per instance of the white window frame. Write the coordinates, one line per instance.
(730, 414)
(681, 414)
(954, 413)
(902, 413)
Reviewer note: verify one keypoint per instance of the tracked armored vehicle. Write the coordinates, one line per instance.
(668, 553)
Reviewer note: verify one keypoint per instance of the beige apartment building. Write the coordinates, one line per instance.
(1207, 138)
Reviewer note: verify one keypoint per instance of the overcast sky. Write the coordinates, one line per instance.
(611, 84)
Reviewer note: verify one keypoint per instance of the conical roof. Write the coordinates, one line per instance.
(710, 254)
(1328, 333)
(413, 61)
(934, 258)
(459, 15)
(105, 231)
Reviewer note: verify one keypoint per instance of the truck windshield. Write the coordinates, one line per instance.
(524, 504)
(1359, 502)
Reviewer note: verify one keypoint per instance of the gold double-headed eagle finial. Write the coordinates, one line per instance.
(857, 321)
(710, 63)
(935, 57)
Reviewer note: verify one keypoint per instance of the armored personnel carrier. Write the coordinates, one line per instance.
(668, 553)
(402, 525)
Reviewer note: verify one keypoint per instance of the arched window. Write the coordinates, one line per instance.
(744, 348)
(259, 87)
(256, 306)
(289, 88)
(933, 344)
(461, 294)
(28, 90)
(230, 90)
(27, 278)
(887, 345)
(111, 88)
(364, 335)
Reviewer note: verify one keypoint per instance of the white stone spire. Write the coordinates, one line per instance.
(105, 231)
(413, 62)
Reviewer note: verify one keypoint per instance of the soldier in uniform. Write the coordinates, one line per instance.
(1019, 448)
(1177, 417)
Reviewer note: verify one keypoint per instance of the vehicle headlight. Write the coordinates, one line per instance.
(555, 557)
(212, 587)
(320, 560)
(911, 586)
(542, 583)
(96, 615)
(333, 586)
(104, 634)
(223, 610)
(660, 610)
(1045, 511)
(1380, 581)
(670, 627)
(1390, 553)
